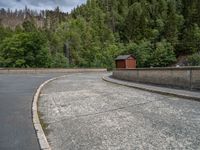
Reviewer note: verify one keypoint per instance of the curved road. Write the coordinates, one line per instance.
(82, 112)
(16, 127)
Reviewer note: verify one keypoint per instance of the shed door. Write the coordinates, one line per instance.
(120, 64)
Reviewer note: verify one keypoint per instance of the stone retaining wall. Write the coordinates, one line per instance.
(183, 77)
(40, 70)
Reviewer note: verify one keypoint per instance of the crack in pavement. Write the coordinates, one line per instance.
(102, 112)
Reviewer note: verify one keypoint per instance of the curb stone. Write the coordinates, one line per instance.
(44, 145)
(160, 90)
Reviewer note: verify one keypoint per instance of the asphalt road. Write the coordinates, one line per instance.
(82, 112)
(16, 95)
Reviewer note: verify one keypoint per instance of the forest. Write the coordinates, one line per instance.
(160, 33)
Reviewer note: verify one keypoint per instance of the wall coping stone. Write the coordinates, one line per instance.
(164, 68)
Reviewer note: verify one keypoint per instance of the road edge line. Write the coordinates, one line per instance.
(42, 140)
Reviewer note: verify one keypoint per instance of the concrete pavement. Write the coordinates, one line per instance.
(82, 112)
(193, 95)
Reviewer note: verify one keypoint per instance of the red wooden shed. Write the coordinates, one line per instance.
(126, 61)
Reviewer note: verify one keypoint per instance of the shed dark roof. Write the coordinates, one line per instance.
(124, 57)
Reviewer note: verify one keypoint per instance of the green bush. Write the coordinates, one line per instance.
(1, 62)
(59, 61)
(163, 55)
(24, 50)
(194, 60)
(141, 51)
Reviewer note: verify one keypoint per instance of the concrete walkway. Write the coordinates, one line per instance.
(193, 95)
(16, 95)
(82, 112)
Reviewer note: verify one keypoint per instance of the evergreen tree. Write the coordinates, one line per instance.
(155, 31)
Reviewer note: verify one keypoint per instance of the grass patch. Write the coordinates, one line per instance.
(43, 123)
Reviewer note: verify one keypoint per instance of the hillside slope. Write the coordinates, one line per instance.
(157, 32)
